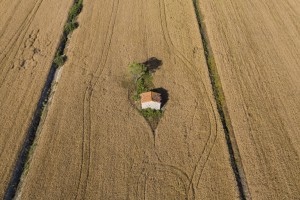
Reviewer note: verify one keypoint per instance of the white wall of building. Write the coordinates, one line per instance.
(151, 104)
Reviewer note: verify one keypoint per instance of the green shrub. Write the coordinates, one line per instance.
(69, 27)
(136, 97)
(59, 60)
(142, 78)
(140, 86)
(75, 10)
(151, 113)
(147, 80)
(137, 69)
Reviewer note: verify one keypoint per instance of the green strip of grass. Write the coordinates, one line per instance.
(70, 26)
(213, 73)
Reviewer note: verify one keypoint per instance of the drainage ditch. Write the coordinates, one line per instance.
(235, 159)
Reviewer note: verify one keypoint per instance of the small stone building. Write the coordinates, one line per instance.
(151, 100)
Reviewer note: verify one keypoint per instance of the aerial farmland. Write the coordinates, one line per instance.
(72, 124)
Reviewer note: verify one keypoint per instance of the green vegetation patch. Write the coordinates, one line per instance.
(151, 114)
(142, 82)
(70, 26)
(142, 79)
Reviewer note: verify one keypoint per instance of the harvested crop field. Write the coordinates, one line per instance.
(29, 34)
(256, 45)
(95, 145)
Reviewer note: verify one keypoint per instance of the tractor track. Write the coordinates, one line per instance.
(19, 36)
(94, 80)
(2, 30)
(209, 144)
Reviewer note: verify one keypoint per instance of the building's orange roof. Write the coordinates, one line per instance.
(150, 96)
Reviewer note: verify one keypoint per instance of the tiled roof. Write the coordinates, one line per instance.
(150, 96)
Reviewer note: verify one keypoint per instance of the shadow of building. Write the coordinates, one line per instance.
(164, 95)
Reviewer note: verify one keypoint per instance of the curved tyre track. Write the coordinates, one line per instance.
(147, 171)
(21, 31)
(199, 167)
(86, 135)
(194, 180)
(12, 48)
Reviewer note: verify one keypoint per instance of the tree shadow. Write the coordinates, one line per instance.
(153, 64)
(164, 95)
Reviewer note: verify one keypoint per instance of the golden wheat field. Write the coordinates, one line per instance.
(228, 71)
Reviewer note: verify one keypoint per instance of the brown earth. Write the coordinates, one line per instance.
(29, 34)
(95, 145)
(256, 45)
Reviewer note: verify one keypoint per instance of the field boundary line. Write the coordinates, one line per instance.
(210, 142)
(235, 158)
